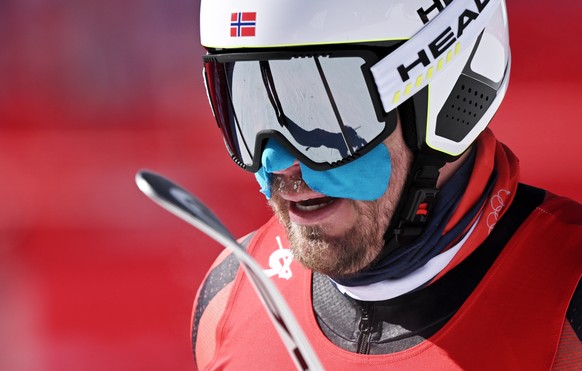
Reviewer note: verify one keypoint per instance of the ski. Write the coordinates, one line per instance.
(187, 207)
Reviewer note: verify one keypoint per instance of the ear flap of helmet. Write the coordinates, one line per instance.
(467, 103)
(455, 108)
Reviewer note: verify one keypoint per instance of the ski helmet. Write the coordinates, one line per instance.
(449, 58)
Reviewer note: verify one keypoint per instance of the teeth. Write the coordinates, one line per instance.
(309, 207)
(313, 206)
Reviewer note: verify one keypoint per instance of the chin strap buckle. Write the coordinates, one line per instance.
(420, 206)
(418, 202)
(415, 215)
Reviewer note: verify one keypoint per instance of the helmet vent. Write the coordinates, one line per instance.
(465, 106)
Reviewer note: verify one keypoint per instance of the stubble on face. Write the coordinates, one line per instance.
(339, 255)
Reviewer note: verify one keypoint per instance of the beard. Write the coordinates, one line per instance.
(321, 251)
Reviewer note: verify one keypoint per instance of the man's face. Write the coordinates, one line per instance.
(338, 236)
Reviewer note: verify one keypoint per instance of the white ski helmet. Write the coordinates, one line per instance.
(451, 57)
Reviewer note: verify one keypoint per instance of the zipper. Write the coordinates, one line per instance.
(366, 330)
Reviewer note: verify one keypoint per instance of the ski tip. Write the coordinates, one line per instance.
(142, 178)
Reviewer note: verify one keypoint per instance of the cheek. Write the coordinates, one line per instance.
(348, 219)
(374, 217)
(280, 208)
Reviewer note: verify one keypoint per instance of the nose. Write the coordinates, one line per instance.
(294, 169)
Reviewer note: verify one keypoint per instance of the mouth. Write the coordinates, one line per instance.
(312, 204)
(315, 211)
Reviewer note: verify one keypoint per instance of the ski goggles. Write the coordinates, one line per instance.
(322, 106)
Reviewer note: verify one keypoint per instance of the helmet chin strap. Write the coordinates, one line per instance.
(416, 202)
(417, 199)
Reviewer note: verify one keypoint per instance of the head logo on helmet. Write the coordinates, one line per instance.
(445, 39)
(437, 5)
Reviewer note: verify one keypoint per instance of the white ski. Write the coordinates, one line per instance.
(187, 207)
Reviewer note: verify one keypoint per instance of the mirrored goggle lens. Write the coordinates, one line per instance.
(321, 106)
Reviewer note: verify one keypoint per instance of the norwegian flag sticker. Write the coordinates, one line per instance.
(243, 24)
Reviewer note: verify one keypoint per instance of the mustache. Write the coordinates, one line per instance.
(288, 184)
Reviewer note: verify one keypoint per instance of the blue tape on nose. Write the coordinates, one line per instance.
(364, 179)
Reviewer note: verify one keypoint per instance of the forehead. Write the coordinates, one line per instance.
(272, 23)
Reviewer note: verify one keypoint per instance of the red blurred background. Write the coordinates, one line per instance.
(93, 275)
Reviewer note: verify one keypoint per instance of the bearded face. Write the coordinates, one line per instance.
(337, 236)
